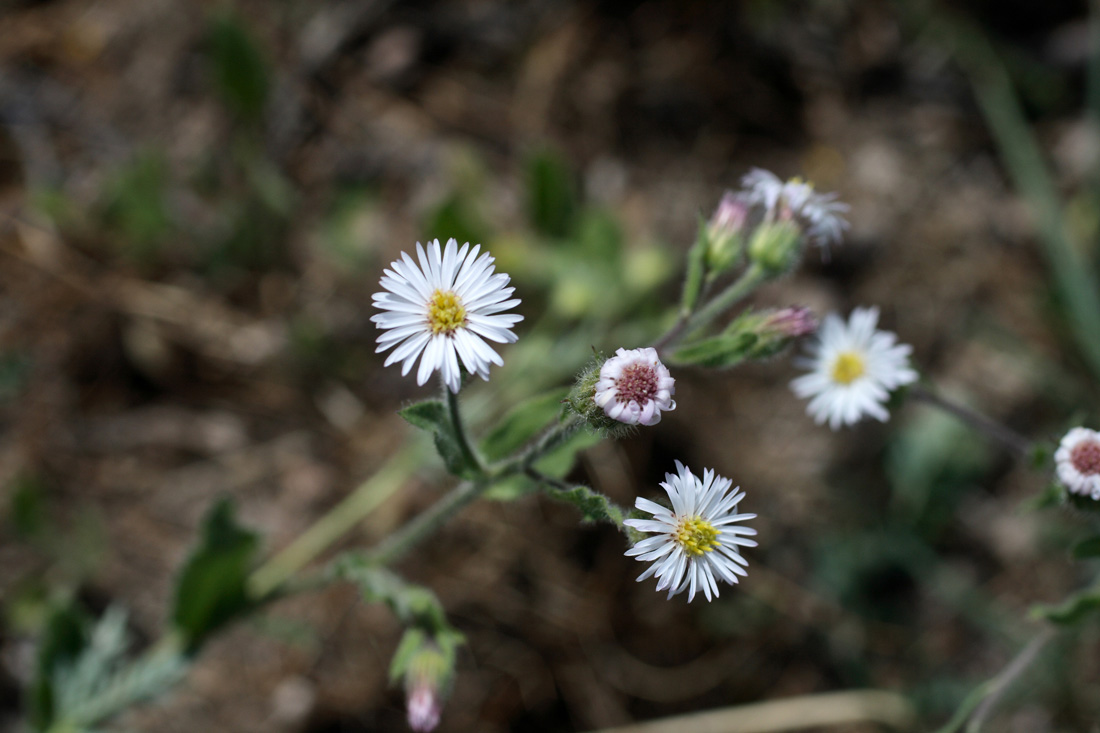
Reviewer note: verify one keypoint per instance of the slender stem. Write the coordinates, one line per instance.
(424, 524)
(1012, 440)
(334, 525)
(451, 400)
(1002, 682)
(981, 702)
(738, 289)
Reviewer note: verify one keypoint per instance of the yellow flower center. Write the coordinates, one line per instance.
(848, 367)
(696, 535)
(445, 312)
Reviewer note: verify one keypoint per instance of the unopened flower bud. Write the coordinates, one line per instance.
(776, 246)
(424, 708)
(725, 233)
(631, 388)
(790, 322)
(426, 664)
(762, 334)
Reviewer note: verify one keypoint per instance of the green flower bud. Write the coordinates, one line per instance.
(776, 246)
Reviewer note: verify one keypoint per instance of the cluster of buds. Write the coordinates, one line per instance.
(771, 221)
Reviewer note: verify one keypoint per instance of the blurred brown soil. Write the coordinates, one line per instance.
(153, 390)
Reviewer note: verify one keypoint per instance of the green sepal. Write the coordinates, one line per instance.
(719, 352)
(210, 589)
(431, 415)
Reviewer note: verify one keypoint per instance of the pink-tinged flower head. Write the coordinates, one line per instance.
(424, 708)
(634, 387)
(1077, 462)
(791, 322)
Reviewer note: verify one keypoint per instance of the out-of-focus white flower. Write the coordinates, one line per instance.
(634, 387)
(1077, 462)
(853, 367)
(820, 215)
(695, 544)
(443, 310)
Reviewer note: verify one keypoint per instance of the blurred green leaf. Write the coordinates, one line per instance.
(64, 637)
(456, 217)
(1072, 610)
(238, 67)
(696, 264)
(28, 511)
(210, 590)
(134, 204)
(555, 464)
(522, 424)
(1087, 548)
(551, 198)
(432, 416)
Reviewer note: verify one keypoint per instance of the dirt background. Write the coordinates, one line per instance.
(185, 280)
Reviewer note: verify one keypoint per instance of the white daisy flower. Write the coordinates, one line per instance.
(634, 387)
(443, 310)
(1077, 462)
(853, 369)
(695, 544)
(820, 214)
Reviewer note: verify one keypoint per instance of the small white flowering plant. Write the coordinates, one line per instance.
(444, 310)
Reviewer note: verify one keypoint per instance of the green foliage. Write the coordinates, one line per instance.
(410, 604)
(522, 424)
(210, 590)
(28, 511)
(15, 369)
(593, 506)
(719, 352)
(551, 196)
(238, 67)
(1071, 611)
(63, 638)
(433, 416)
(696, 266)
(1087, 548)
(134, 204)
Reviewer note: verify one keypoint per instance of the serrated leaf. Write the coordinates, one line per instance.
(432, 416)
(64, 638)
(211, 587)
(1087, 548)
(522, 424)
(593, 506)
(719, 352)
(1072, 610)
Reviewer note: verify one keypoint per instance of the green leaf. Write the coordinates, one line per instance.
(1072, 610)
(238, 67)
(413, 605)
(522, 424)
(432, 416)
(696, 264)
(1051, 496)
(593, 506)
(211, 591)
(1087, 548)
(551, 200)
(65, 636)
(719, 352)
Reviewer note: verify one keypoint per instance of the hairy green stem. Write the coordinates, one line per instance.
(468, 453)
(750, 279)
